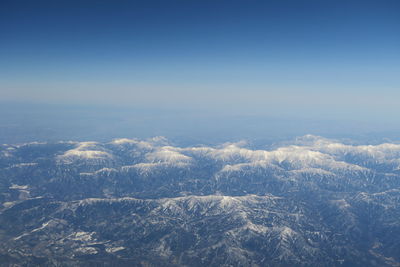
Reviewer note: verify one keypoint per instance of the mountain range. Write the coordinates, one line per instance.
(311, 201)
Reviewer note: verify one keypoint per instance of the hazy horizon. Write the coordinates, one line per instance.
(290, 60)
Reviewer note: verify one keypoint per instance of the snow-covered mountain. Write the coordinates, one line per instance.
(129, 202)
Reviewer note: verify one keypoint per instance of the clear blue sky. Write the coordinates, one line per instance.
(334, 59)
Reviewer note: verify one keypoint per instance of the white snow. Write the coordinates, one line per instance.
(85, 151)
(167, 154)
(18, 187)
(87, 250)
(28, 164)
(114, 249)
(82, 236)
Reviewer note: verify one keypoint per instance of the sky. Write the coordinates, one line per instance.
(305, 59)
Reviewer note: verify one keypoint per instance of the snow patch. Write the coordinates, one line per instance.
(85, 151)
(19, 187)
(114, 249)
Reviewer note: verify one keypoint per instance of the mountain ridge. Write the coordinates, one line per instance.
(130, 202)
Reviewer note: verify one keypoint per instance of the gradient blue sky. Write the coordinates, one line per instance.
(302, 58)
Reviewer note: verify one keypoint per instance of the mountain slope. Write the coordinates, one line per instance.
(314, 202)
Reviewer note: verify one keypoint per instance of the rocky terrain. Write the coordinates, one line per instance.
(310, 202)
